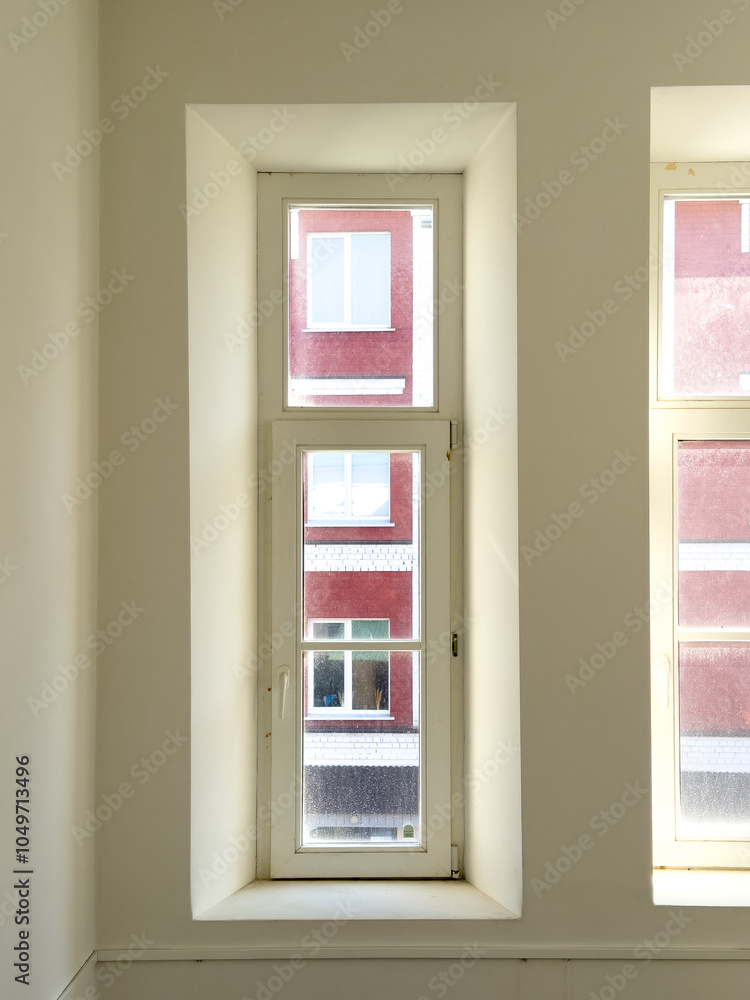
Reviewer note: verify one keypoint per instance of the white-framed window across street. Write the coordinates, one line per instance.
(700, 521)
(363, 526)
(348, 280)
(345, 682)
(348, 487)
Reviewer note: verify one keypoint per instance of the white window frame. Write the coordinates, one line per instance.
(674, 419)
(347, 518)
(345, 711)
(346, 324)
(296, 429)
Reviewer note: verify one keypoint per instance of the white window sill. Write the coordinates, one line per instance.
(336, 716)
(368, 900)
(349, 329)
(354, 522)
(701, 887)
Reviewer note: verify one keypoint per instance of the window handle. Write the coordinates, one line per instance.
(283, 688)
(665, 667)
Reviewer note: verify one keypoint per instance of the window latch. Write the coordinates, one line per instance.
(283, 688)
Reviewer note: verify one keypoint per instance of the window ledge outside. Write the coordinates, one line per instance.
(366, 900)
(701, 887)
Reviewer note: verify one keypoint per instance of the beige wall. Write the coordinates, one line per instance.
(48, 406)
(580, 751)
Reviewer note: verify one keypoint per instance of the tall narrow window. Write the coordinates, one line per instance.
(361, 553)
(700, 468)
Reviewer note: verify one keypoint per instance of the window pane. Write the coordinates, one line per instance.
(328, 680)
(360, 569)
(360, 324)
(328, 493)
(371, 279)
(370, 681)
(714, 533)
(370, 484)
(706, 298)
(361, 772)
(326, 277)
(328, 630)
(715, 738)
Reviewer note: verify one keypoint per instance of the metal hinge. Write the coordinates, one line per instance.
(454, 643)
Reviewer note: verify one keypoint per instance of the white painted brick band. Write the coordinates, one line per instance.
(728, 556)
(715, 753)
(360, 749)
(333, 558)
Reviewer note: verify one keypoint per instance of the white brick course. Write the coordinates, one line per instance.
(331, 558)
(711, 753)
(714, 556)
(352, 749)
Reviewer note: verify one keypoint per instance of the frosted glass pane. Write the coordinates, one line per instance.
(371, 279)
(714, 685)
(706, 299)
(714, 533)
(361, 753)
(327, 291)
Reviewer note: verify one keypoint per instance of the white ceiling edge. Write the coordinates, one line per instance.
(356, 138)
(699, 124)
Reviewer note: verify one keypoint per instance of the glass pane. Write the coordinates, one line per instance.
(370, 681)
(714, 533)
(371, 279)
(371, 486)
(706, 297)
(715, 738)
(328, 492)
(326, 280)
(361, 330)
(361, 562)
(328, 680)
(361, 761)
